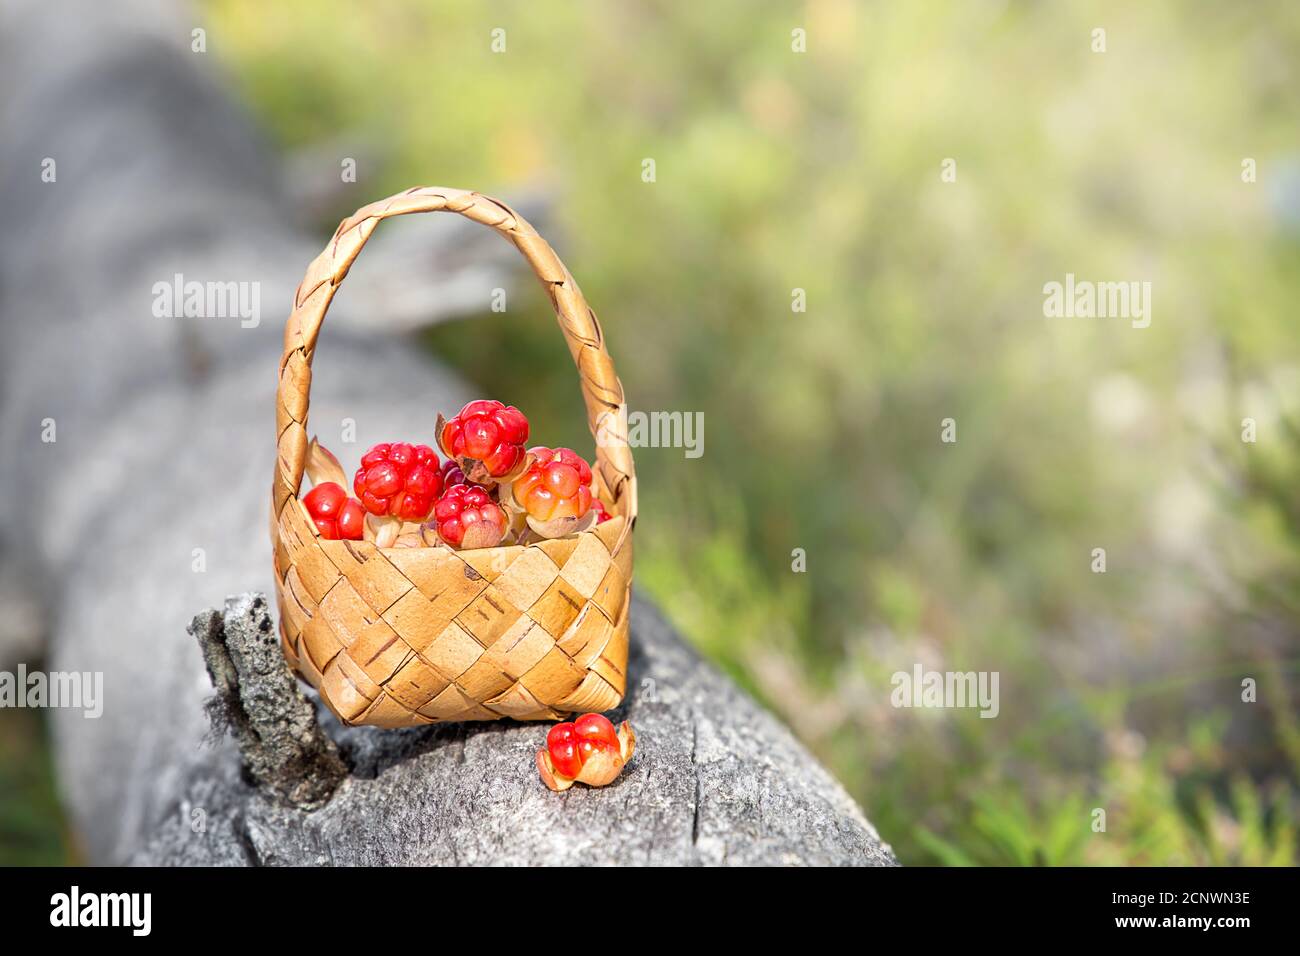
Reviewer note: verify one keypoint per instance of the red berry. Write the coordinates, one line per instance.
(352, 521)
(467, 517)
(556, 485)
(596, 749)
(562, 742)
(334, 513)
(595, 727)
(452, 474)
(602, 515)
(398, 479)
(486, 439)
(587, 750)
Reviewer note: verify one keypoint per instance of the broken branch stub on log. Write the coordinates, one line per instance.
(261, 704)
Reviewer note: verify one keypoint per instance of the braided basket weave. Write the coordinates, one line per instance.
(400, 637)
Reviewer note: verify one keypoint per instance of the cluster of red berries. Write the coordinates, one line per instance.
(491, 489)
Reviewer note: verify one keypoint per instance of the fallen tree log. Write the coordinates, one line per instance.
(715, 779)
(151, 503)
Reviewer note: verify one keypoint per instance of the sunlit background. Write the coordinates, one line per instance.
(822, 171)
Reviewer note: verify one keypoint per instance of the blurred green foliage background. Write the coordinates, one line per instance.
(778, 170)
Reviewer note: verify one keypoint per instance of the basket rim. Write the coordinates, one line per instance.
(624, 533)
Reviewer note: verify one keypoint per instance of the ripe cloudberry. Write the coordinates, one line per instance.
(399, 480)
(334, 513)
(587, 750)
(466, 517)
(602, 514)
(554, 492)
(486, 439)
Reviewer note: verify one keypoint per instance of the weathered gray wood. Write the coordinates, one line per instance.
(152, 503)
(715, 780)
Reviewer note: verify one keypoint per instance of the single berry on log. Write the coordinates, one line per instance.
(587, 750)
(399, 480)
(335, 515)
(486, 439)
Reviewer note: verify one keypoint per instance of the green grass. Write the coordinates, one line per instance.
(31, 828)
(820, 171)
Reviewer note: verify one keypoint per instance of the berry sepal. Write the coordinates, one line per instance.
(322, 466)
(384, 531)
(587, 750)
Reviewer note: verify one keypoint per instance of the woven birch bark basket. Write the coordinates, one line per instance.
(401, 637)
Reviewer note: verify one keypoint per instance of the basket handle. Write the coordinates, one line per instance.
(601, 390)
